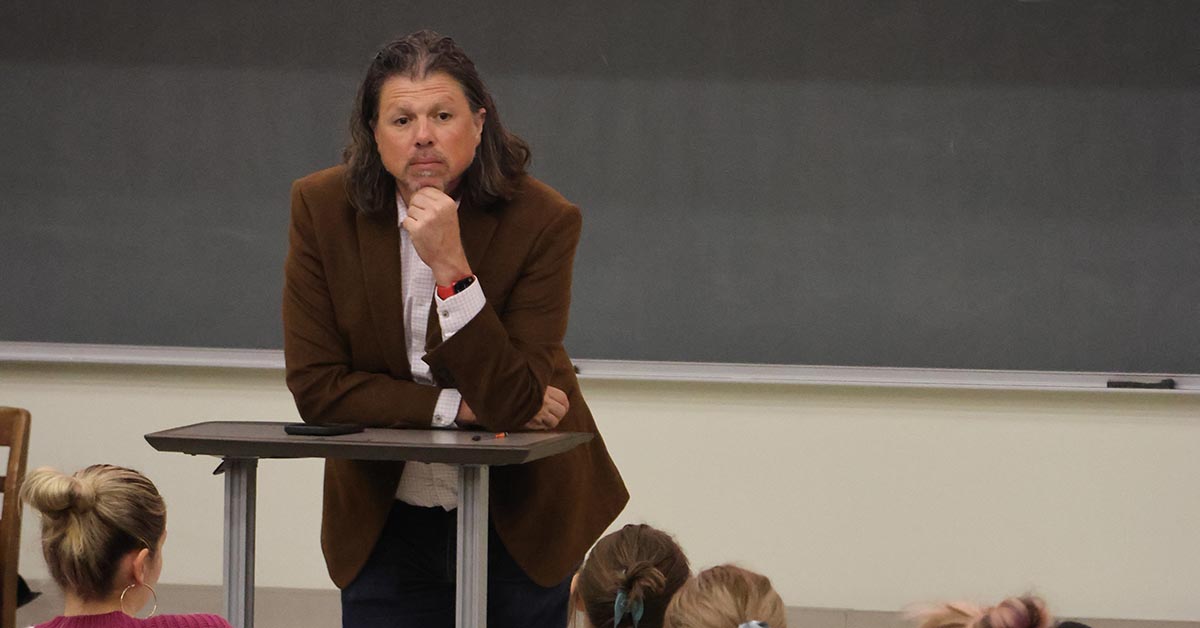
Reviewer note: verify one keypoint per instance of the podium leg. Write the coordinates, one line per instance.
(240, 479)
(471, 589)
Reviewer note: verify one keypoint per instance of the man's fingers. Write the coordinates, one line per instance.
(554, 408)
(558, 400)
(551, 410)
(557, 395)
(543, 421)
(427, 203)
(538, 423)
(430, 199)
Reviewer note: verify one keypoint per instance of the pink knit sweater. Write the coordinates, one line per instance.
(117, 619)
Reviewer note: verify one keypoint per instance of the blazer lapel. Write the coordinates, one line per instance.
(476, 225)
(379, 252)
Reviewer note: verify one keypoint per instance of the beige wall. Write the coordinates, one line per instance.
(864, 498)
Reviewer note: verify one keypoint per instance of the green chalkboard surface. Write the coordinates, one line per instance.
(977, 185)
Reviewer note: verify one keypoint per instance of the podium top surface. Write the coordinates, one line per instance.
(245, 439)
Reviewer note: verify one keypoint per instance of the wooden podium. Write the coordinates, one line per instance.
(242, 444)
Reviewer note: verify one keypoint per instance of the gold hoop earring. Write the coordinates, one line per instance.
(134, 614)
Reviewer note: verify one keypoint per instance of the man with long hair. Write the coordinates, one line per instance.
(428, 284)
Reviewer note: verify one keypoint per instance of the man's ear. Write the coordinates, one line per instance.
(480, 118)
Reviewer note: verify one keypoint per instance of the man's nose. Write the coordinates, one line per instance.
(424, 132)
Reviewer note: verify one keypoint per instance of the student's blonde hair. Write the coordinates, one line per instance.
(1015, 612)
(726, 596)
(90, 520)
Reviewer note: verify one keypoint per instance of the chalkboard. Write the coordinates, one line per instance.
(979, 185)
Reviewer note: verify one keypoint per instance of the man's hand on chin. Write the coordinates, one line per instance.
(432, 223)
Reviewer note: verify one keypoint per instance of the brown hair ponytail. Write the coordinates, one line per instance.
(629, 578)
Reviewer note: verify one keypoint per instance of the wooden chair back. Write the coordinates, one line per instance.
(14, 434)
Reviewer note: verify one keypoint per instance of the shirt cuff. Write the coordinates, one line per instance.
(454, 313)
(446, 409)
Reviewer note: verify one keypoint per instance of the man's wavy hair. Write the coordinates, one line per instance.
(500, 159)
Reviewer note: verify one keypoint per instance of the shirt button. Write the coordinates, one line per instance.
(445, 313)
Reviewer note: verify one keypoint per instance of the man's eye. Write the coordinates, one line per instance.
(401, 121)
(443, 116)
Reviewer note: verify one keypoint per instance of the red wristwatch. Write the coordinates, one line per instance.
(445, 292)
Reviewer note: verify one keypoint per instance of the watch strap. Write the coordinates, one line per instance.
(445, 292)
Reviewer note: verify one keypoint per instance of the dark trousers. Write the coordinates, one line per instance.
(409, 579)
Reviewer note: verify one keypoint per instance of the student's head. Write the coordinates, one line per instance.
(726, 596)
(1015, 612)
(629, 578)
(102, 530)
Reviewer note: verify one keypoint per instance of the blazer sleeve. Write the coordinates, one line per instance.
(320, 367)
(502, 361)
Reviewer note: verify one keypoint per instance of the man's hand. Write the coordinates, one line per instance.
(554, 407)
(432, 223)
(465, 415)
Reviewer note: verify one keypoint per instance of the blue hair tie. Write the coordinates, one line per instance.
(621, 604)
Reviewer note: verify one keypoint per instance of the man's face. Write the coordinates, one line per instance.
(426, 132)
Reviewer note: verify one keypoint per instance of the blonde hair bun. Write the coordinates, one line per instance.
(54, 493)
(92, 518)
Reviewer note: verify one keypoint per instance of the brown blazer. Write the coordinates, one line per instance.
(344, 344)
